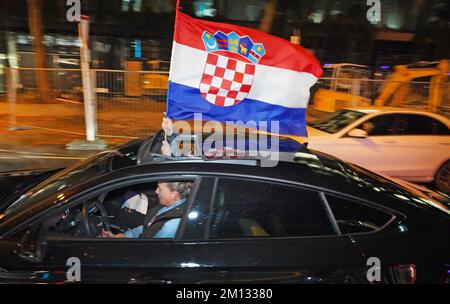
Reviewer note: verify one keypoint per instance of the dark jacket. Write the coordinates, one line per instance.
(159, 221)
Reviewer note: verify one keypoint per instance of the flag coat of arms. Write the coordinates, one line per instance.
(232, 73)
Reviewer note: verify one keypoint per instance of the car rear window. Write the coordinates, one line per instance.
(412, 124)
(353, 217)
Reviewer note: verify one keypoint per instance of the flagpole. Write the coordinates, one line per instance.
(177, 9)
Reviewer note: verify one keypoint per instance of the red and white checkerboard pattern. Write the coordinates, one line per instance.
(226, 81)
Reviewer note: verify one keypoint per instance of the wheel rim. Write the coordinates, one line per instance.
(443, 177)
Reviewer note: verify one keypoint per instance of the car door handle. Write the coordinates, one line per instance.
(445, 144)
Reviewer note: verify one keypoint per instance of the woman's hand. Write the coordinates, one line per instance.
(107, 234)
(167, 125)
(166, 149)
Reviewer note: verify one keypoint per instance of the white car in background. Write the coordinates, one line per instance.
(403, 143)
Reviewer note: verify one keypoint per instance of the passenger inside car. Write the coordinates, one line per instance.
(163, 220)
(380, 125)
(146, 210)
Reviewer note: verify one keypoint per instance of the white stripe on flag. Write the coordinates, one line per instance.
(271, 85)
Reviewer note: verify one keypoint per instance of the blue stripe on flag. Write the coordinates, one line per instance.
(184, 101)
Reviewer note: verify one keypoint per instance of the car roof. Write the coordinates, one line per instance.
(378, 109)
(385, 109)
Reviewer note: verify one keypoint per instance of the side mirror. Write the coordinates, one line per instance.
(357, 133)
(32, 244)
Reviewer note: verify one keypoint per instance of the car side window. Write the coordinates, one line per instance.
(412, 124)
(248, 209)
(353, 217)
(382, 125)
(123, 208)
(152, 209)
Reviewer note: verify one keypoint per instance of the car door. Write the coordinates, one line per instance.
(382, 234)
(378, 151)
(372, 152)
(266, 232)
(420, 147)
(403, 145)
(101, 260)
(21, 264)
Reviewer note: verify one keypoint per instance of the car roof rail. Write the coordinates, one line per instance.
(225, 160)
(234, 161)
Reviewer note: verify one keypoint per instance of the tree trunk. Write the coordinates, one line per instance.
(35, 24)
(270, 11)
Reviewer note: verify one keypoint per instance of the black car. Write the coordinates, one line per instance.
(310, 219)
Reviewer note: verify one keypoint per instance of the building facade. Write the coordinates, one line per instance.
(335, 30)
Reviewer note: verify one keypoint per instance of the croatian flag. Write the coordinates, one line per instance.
(233, 73)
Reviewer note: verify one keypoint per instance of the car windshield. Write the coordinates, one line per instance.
(337, 121)
(83, 171)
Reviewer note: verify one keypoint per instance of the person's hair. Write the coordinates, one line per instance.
(184, 188)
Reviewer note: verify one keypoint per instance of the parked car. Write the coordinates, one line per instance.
(404, 143)
(310, 219)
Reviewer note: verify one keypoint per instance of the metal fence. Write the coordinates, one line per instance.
(2, 82)
(415, 94)
(131, 103)
(127, 105)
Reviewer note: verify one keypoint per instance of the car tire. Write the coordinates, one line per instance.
(442, 178)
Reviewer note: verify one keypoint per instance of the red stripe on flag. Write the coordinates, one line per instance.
(280, 53)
